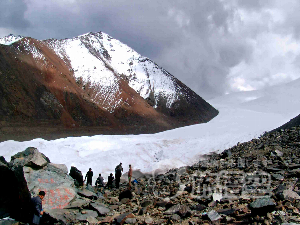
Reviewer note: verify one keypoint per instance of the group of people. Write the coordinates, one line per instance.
(100, 181)
(36, 202)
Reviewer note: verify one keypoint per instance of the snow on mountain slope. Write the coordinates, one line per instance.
(10, 39)
(97, 58)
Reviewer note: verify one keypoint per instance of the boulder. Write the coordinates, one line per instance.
(59, 186)
(31, 157)
(77, 176)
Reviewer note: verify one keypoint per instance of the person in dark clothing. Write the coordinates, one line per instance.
(89, 176)
(37, 208)
(118, 174)
(99, 181)
(110, 181)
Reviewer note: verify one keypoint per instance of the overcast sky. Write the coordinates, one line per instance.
(213, 46)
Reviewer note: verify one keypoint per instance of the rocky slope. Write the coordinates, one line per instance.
(256, 182)
(90, 81)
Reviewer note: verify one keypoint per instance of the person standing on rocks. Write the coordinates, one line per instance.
(129, 176)
(89, 176)
(110, 180)
(118, 174)
(37, 207)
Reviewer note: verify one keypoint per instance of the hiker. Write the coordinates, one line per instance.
(129, 175)
(37, 208)
(110, 180)
(118, 174)
(89, 176)
(99, 181)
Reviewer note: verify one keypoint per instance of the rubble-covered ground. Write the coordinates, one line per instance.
(255, 182)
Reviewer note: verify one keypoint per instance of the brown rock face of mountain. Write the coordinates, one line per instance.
(41, 98)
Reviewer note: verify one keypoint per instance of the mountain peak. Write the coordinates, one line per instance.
(10, 39)
(95, 80)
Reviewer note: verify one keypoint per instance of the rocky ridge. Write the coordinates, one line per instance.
(256, 182)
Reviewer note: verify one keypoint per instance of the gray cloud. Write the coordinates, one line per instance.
(12, 14)
(213, 46)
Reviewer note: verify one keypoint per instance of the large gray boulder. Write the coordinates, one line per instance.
(57, 184)
(41, 174)
(30, 157)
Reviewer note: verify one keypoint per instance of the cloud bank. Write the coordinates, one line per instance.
(213, 46)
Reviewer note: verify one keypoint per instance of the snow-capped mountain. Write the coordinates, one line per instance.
(93, 80)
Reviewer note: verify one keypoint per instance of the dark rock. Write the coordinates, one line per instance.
(277, 176)
(125, 194)
(273, 169)
(181, 210)
(14, 194)
(162, 203)
(2, 159)
(262, 206)
(199, 207)
(77, 176)
(227, 212)
(226, 154)
(146, 203)
(122, 218)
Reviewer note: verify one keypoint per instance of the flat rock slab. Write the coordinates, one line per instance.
(101, 209)
(262, 202)
(87, 194)
(213, 215)
(61, 216)
(290, 195)
(77, 204)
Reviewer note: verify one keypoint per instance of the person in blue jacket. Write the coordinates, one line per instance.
(37, 207)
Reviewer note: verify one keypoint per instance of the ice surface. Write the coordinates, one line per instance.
(237, 122)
